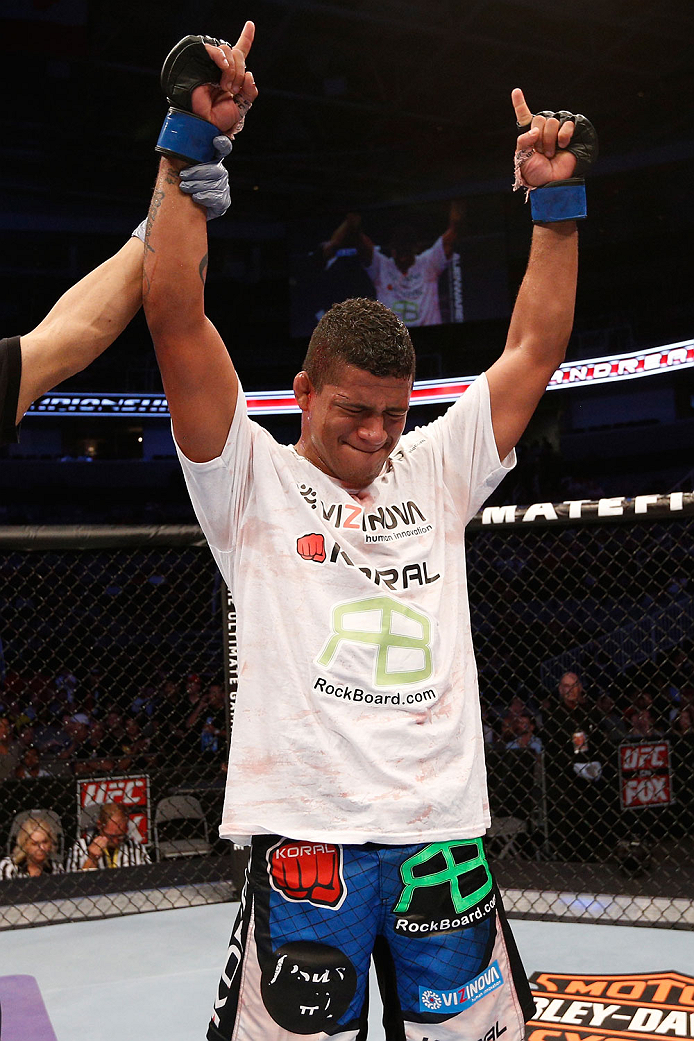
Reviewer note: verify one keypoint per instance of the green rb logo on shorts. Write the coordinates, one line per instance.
(383, 638)
(451, 875)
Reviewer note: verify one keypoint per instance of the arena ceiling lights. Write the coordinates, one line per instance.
(590, 372)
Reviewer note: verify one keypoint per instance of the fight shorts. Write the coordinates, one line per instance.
(10, 375)
(312, 916)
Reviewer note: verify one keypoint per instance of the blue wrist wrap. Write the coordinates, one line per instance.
(188, 137)
(563, 200)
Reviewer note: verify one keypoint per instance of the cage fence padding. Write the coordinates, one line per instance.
(118, 673)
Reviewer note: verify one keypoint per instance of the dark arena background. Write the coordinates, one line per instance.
(117, 636)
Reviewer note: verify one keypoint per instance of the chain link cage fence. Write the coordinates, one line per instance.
(114, 723)
(583, 620)
(118, 682)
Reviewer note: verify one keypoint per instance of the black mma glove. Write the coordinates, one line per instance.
(185, 135)
(566, 200)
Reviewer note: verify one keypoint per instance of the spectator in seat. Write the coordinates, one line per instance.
(511, 718)
(576, 794)
(188, 720)
(208, 721)
(490, 735)
(564, 718)
(20, 713)
(49, 736)
(77, 730)
(9, 749)
(94, 693)
(608, 720)
(115, 733)
(134, 748)
(65, 682)
(29, 765)
(525, 736)
(107, 845)
(643, 726)
(33, 852)
(686, 699)
(683, 725)
(646, 700)
(571, 692)
(97, 751)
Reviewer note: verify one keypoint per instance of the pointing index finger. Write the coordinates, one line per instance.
(246, 38)
(523, 114)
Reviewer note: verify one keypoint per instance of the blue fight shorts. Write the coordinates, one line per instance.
(312, 916)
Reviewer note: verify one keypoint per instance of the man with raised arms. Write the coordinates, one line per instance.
(356, 766)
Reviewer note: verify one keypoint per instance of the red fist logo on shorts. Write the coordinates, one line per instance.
(311, 547)
(309, 871)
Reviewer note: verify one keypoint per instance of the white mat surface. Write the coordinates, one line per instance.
(153, 977)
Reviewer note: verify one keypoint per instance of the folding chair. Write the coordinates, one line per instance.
(180, 808)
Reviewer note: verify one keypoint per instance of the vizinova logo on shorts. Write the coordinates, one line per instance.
(462, 997)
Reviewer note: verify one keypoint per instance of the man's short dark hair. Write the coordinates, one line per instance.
(361, 332)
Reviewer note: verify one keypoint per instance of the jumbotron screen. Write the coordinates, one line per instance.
(432, 263)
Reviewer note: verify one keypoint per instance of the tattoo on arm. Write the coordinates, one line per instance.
(170, 178)
(157, 200)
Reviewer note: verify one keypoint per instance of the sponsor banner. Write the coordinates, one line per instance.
(586, 511)
(645, 1006)
(609, 369)
(645, 775)
(90, 404)
(130, 792)
(615, 368)
(454, 1001)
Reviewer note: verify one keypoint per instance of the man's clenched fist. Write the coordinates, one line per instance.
(307, 871)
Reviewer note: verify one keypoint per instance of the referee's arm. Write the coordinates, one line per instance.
(81, 325)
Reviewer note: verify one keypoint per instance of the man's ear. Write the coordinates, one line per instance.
(303, 389)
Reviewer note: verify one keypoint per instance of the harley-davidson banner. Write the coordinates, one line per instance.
(641, 1006)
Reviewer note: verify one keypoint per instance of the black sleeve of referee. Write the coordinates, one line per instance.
(10, 375)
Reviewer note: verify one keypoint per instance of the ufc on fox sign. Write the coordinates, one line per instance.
(645, 778)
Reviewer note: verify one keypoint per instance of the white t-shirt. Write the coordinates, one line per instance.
(357, 716)
(413, 296)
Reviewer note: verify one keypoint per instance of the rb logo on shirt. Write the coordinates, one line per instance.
(310, 871)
